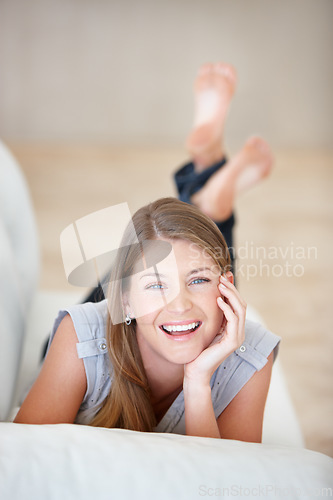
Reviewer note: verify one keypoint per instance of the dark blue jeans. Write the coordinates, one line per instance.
(189, 182)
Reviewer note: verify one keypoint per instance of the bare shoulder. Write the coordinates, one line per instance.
(58, 392)
(64, 341)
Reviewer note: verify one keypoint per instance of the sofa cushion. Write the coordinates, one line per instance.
(74, 461)
(19, 263)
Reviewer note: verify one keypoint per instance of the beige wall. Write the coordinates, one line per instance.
(121, 71)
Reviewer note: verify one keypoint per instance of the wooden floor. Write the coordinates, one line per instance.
(283, 236)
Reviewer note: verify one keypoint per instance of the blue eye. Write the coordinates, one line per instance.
(199, 280)
(155, 286)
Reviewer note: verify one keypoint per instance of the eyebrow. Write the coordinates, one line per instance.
(198, 270)
(152, 275)
(194, 271)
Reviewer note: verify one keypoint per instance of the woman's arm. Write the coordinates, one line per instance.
(242, 419)
(58, 392)
(199, 412)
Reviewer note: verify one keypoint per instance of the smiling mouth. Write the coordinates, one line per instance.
(181, 329)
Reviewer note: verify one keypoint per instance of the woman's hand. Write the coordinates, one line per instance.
(230, 337)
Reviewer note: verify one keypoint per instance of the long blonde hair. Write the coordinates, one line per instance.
(128, 403)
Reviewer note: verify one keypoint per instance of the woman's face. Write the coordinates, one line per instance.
(175, 306)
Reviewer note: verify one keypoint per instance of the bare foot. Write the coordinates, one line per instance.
(213, 88)
(253, 162)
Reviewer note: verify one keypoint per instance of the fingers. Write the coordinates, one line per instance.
(234, 323)
(234, 309)
(233, 297)
(228, 286)
(227, 310)
(235, 327)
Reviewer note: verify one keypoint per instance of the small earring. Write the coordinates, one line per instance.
(128, 319)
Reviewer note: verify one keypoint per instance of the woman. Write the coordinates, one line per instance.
(146, 391)
(183, 360)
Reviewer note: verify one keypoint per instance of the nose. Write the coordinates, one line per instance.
(181, 303)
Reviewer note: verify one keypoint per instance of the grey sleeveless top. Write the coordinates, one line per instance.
(90, 324)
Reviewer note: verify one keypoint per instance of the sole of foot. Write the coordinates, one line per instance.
(213, 88)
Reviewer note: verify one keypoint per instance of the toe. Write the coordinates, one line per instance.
(206, 68)
(226, 70)
(259, 143)
(224, 78)
(204, 77)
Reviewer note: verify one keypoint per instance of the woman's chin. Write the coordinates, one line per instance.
(185, 358)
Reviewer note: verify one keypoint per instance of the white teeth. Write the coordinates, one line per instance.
(180, 328)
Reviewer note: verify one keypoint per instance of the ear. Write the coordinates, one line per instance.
(229, 276)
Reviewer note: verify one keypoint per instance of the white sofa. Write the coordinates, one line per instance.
(72, 461)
